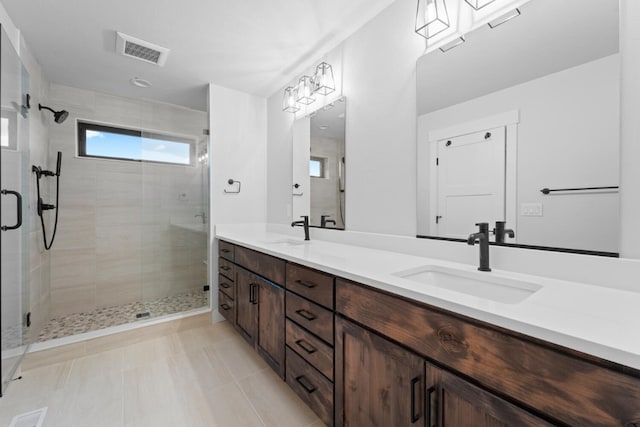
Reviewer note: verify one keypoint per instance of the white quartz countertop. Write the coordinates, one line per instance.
(600, 321)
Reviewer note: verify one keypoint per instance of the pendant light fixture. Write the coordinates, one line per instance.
(289, 104)
(478, 4)
(305, 90)
(323, 79)
(432, 18)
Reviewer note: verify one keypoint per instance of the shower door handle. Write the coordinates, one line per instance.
(18, 210)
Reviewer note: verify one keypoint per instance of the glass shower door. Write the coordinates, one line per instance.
(14, 234)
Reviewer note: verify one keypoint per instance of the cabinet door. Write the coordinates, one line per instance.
(454, 402)
(246, 305)
(378, 383)
(271, 340)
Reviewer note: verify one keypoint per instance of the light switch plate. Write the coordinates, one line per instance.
(531, 209)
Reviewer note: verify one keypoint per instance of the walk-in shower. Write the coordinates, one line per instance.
(129, 212)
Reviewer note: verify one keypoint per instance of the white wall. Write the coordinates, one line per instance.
(378, 69)
(238, 129)
(9, 27)
(567, 137)
(630, 130)
(238, 135)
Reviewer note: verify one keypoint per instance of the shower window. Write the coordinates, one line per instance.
(107, 142)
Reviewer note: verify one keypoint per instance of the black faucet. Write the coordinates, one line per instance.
(324, 221)
(482, 237)
(500, 232)
(305, 224)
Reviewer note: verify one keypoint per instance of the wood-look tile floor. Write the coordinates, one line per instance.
(205, 376)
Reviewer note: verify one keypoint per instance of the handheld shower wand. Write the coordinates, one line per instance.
(45, 206)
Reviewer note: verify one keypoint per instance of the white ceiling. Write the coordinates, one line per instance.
(254, 46)
(548, 37)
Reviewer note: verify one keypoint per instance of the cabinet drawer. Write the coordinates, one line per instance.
(313, 388)
(310, 316)
(226, 250)
(313, 350)
(226, 307)
(312, 284)
(269, 267)
(227, 268)
(563, 384)
(227, 287)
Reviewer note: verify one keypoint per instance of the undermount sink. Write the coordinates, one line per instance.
(288, 242)
(491, 286)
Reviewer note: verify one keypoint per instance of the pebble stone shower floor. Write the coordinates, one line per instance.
(79, 323)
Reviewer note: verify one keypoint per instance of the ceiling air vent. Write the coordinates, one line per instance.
(140, 49)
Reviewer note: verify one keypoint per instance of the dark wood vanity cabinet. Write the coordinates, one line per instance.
(361, 356)
(488, 375)
(378, 383)
(258, 302)
(454, 402)
(310, 337)
(246, 306)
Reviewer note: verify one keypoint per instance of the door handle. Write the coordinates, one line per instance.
(18, 210)
(415, 414)
(431, 408)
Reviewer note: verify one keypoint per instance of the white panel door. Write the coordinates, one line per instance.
(471, 182)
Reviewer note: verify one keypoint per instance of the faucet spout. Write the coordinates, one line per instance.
(481, 237)
(304, 223)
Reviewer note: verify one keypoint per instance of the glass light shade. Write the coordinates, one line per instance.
(323, 79)
(432, 18)
(478, 4)
(289, 103)
(305, 90)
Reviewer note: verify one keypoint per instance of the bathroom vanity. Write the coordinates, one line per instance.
(362, 347)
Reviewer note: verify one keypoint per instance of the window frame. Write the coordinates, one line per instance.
(84, 126)
(323, 166)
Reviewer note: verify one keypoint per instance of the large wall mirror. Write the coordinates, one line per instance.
(318, 188)
(520, 124)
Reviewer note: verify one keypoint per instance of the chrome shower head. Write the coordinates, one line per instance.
(58, 116)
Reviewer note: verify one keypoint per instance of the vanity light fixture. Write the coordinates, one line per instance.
(504, 18)
(289, 103)
(457, 42)
(432, 18)
(323, 79)
(478, 4)
(305, 90)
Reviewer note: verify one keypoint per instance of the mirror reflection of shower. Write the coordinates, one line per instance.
(42, 207)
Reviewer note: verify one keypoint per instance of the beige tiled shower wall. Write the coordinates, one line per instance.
(119, 238)
(39, 277)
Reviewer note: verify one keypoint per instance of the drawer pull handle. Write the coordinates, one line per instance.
(306, 346)
(415, 416)
(225, 307)
(225, 285)
(305, 314)
(304, 382)
(225, 268)
(226, 251)
(308, 285)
